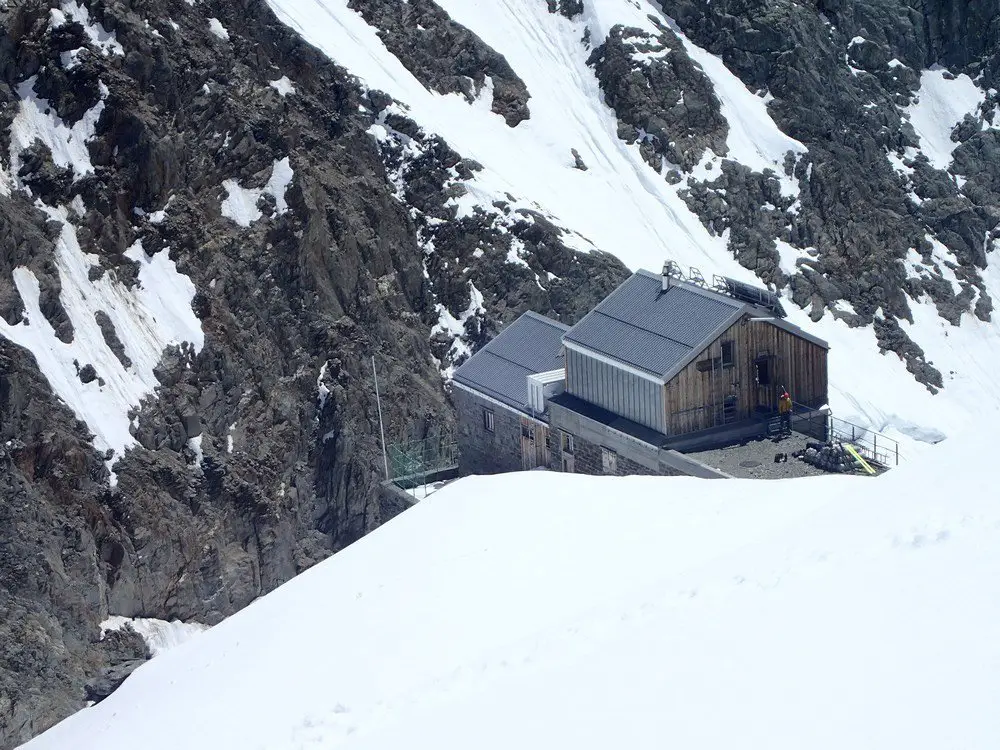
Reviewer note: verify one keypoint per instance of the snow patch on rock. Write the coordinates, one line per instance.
(942, 102)
(160, 635)
(36, 120)
(240, 203)
(147, 318)
(104, 40)
(216, 27)
(455, 328)
(282, 85)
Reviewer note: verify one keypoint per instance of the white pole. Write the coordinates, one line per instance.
(378, 400)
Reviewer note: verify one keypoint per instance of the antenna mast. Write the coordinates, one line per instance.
(378, 400)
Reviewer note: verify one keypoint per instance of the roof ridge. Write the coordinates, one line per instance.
(542, 319)
(704, 291)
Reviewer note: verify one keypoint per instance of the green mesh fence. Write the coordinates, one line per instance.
(412, 461)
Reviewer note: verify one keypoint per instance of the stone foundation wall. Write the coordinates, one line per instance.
(481, 451)
(587, 460)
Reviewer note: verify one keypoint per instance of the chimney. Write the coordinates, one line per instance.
(665, 277)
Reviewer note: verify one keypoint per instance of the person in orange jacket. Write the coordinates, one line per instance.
(785, 411)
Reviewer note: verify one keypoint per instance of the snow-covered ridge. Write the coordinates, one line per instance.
(629, 612)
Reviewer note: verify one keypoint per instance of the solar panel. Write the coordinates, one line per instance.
(752, 294)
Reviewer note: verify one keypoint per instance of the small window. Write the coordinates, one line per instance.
(528, 431)
(567, 443)
(609, 461)
(488, 420)
(728, 353)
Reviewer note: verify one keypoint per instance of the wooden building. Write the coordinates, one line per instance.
(665, 362)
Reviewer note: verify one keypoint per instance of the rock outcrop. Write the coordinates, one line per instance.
(257, 453)
(836, 78)
(445, 56)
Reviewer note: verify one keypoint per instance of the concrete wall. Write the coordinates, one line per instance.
(633, 455)
(480, 451)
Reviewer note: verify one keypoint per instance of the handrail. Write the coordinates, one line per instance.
(873, 445)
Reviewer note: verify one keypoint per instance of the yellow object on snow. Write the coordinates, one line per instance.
(854, 452)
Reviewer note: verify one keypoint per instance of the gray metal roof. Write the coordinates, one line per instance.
(653, 330)
(530, 345)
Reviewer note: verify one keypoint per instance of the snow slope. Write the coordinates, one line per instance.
(622, 206)
(941, 104)
(545, 610)
(147, 318)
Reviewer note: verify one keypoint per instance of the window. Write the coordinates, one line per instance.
(728, 353)
(567, 443)
(488, 419)
(763, 365)
(609, 461)
(528, 431)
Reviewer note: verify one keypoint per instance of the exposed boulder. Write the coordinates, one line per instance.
(445, 56)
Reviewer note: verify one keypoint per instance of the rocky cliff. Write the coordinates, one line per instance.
(166, 126)
(209, 229)
(873, 220)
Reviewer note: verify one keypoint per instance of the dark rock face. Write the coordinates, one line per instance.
(445, 56)
(280, 398)
(656, 89)
(568, 8)
(56, 531)
(836, 76)
(487, 265)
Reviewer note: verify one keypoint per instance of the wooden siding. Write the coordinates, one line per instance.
(695, 398)
(624, 393)
(534, 444)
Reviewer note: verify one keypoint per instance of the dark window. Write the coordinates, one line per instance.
(763, 365)
(728, 353)
(488, 419)
(528, 431)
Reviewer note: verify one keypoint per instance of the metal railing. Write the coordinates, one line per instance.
(872, 445)
(415, 460)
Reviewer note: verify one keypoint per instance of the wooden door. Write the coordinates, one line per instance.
(766, 383)
(529, 447)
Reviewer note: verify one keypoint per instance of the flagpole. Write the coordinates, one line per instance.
(381, 427)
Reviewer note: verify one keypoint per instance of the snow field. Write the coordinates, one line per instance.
(547, 610)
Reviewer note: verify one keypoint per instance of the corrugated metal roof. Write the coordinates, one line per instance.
(653, 330)
(530, 345)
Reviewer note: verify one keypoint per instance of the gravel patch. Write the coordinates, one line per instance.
(755, 459)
